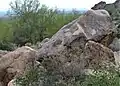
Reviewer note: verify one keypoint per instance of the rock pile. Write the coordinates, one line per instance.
(86, 43)
(79, 45)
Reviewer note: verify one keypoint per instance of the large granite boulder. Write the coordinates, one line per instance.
(14, 64)
(66, 51)
(93, 25)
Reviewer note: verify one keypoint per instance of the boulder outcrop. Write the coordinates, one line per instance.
(80, 44)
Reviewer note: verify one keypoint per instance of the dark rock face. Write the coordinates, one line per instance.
(103, 5)
(109, 7)
(79, 44)
(117, 3)
(100, 5)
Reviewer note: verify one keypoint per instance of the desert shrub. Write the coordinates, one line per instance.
(6, 45)
(5, 29)
(30, 79)
(32, 22)
(102, 78)
(32, 27)
(37, 77)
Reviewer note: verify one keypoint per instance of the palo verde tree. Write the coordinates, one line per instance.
(30, 20)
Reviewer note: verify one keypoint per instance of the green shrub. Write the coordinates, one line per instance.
(6, 45)
(37, 77)
(102, 78)
(33, 22)
(30, 79)
(30, 19)
(5, 29)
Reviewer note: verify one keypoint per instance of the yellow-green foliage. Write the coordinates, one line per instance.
(37, 77)
(5, 30)
(32, 22)
(60, 19)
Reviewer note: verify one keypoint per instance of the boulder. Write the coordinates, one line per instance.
(93, 25)
(100, 5)
(104, 5)
(66, 52)
(97, 55)
(115, 45)
(14, 64)
(111, 7)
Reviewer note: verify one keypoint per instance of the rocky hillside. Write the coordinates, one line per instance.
(86, 43)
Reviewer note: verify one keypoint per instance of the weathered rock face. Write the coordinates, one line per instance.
(14, 63)
(94, 25)
(103, 5)
(97, 55)
(112, 8)
(67, 51)
(115, 45)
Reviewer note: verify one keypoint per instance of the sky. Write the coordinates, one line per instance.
(62, 4)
